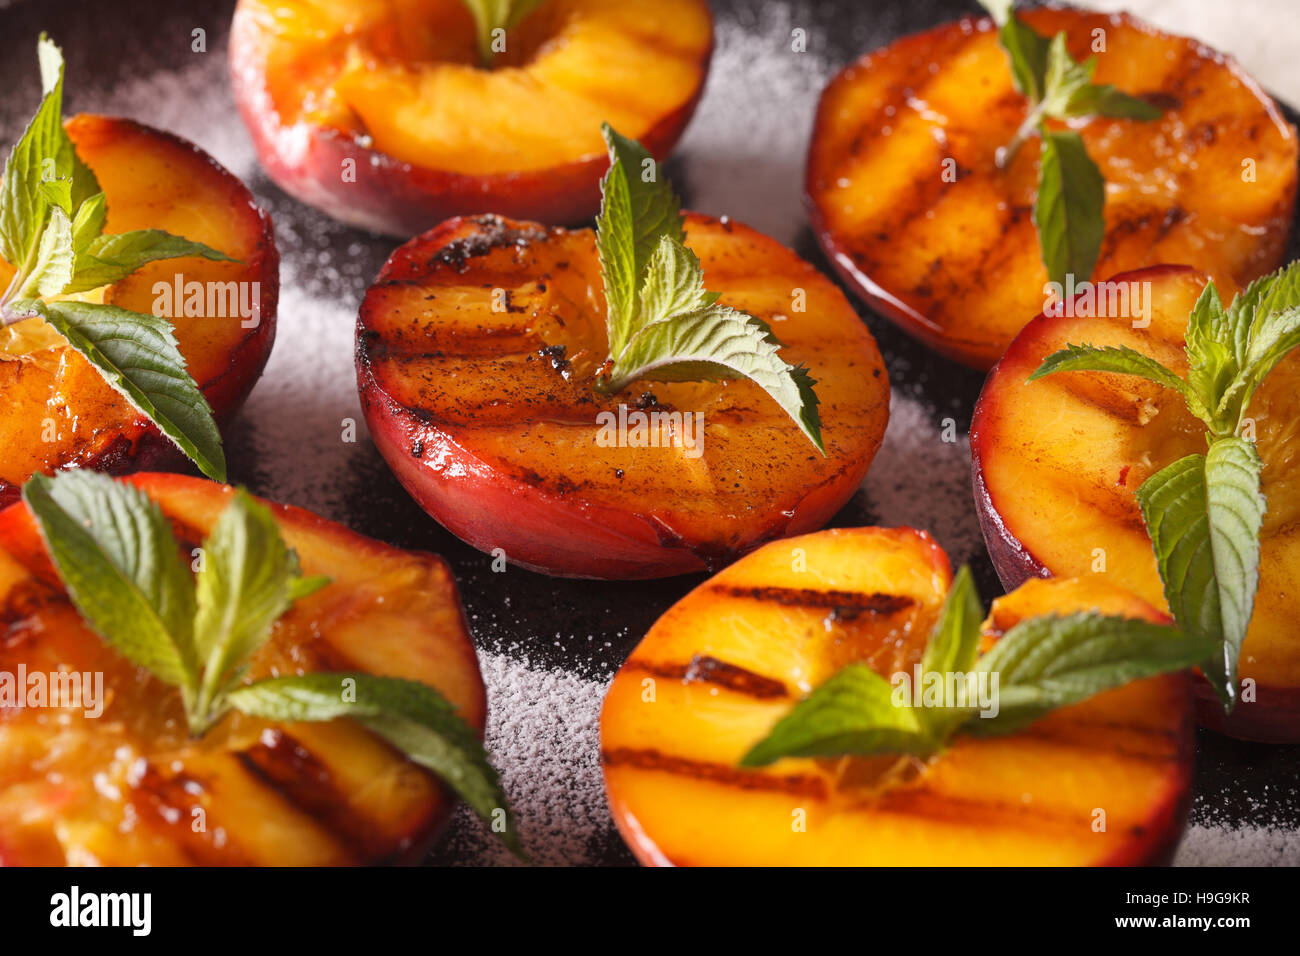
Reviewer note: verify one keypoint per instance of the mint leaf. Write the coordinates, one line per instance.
(51, 270)
(954, 641)
(1236, 514)
(953, 646)
(715, 343)
(138, 356)
(492, 15)
(1068, 210)
(108, 259)
(674, 284)
(1047, 662)
(1106, 100)
(1118, 360)
(1204, 513)
(412, 716)
(249, 579)
(852, 713)
(114, 551)
(1212, 365)
(635, 214)
(1064, 79)
(89, 222)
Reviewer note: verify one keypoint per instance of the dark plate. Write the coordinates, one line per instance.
(743, 156)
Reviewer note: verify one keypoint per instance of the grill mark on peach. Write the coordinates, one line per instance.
(1163, 745)
(703, 669)
(28, 597)
(647, 758)
(169, 807)
(287, 768)
(845, 605)
(929, 804)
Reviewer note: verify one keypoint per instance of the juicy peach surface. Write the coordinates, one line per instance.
(489, 416)
(396, 90)
(1058, 461)
(726, 662)
(910, 206)
(132, 786)
(58, 411)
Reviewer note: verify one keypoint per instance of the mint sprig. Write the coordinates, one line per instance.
(1070, 203)
(662, 323)
(493, 15)
(52, 216)
(1041, 664)
(114, 551)
(1204, 512)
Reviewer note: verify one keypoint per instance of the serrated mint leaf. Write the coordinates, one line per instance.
(953, 647)
(1105, 100)
(852, 713)
(1197, 534)
(138, 356)
(716, 343)
(413, 717)
(492, 15)
(57, 193)
(51, 270)
(638, 209)
(1116, 359)
(1236, 514)
(111, 258)
(114, 551)
(1043, 663)
(1068, 210)
(674, 284)
(88, 223)
(1064, 78)
(248, 580)
(1211, 362)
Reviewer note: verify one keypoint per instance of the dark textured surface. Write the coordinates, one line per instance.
(114, 43)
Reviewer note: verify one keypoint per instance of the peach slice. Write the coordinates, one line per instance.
(379, 114)
(1106, 781)
(908, 203)
(477, 353)
(58, 410)
(132, 787)
(1057, 462)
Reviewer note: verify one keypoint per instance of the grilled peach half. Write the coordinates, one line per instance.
(909, 204)
(379, 113)
(477, 353)
(1106, 781)
(1057, 462)
(132, 787)
(58, 411)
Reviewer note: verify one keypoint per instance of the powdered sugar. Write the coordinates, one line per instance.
(1238, 846)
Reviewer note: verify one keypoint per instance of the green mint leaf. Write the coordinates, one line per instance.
(411, 716)
(111, 258)
(1212, 364)
(1064, 78)
(57, 194)
(88, 223)
(953, 646)
(248, 579)
(114, 551)
(492, 15)
(954, 642)
(1119, 360)
(1105, 100)
(1026, 50)
(1204, 513)
(637, 209)
(138, 356)
(674, 284)
(1236, 514)
(720, 342)
(1043, 663)
(51, 270)
(852, 713)
(1068, 210)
